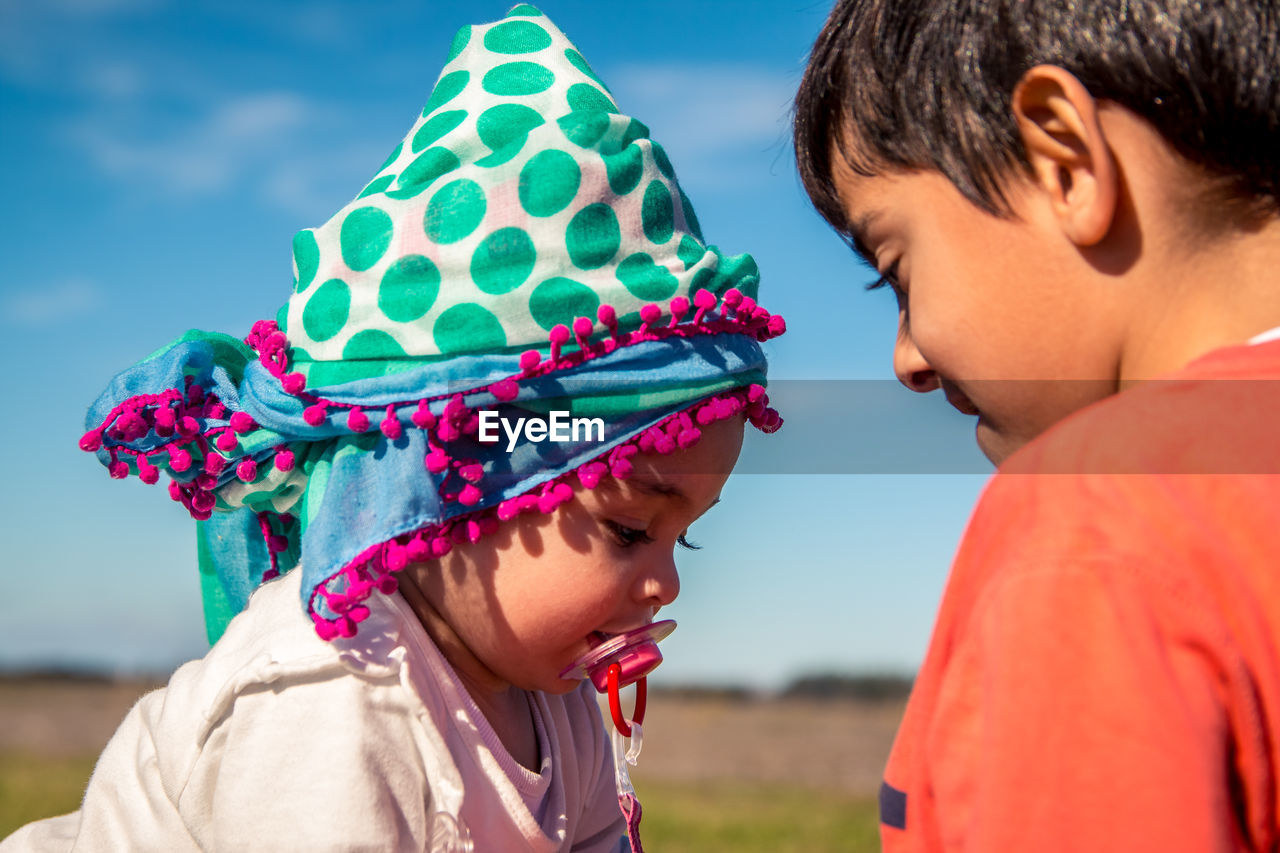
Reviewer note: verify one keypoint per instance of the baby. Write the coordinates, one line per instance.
(400, 601)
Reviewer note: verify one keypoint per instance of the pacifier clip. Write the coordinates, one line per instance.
(621, 660)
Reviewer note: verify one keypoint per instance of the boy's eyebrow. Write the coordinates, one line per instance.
(857, 230)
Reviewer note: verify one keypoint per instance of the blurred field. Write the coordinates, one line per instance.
(717, 773)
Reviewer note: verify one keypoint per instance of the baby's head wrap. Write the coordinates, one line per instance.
(525, 249)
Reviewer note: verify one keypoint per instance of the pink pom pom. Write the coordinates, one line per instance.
(456, 408)
(509, 509)
(394, 557)
(390, 425)
(325, 629)
(777, 325)
(206, 481)
(754, 392)
(195, 394)
(147, 472)
(91, 440)
(470, 495)
(188, 426)
(505, 389)
(530, 359)
(650, 313)
(284, 460)
(202, 501)
(213, 463)
(732, 297)
(247, 470)
(559, 334)
(704, 299)
(166, 419)
(226, 441)
(663, 444)
(346, 627)
(387, 584)
(175, 491)
(621, 468)
(582, 327)
(547, 503)
(357, 420)
(473, 473)
(440, 546)
(417, 550)
(590, 473)
(241, 422)
(605, 314)
(422, 418)
(488, 525)
(688, 437)
(293, 383)
(473, 531)
(437, 461)
(314, 414)
(277, 543)
(748, 305)
(562, 491)
(679, 307)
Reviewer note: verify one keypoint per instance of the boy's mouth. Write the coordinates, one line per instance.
(958, 400)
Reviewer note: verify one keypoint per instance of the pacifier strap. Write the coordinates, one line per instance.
(631, 811)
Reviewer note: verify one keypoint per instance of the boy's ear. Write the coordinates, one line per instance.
(1069, 155)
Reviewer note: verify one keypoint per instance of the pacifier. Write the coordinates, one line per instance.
(620, 660)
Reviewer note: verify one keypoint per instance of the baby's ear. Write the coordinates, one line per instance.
(1068, 152)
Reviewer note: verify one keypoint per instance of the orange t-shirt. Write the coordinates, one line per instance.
(1104, 672)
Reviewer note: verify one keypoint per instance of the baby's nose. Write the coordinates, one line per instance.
(658, 585)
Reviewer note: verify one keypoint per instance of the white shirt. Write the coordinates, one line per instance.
(277, 740)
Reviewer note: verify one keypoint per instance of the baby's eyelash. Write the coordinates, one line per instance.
(683, 542)
(627, 536)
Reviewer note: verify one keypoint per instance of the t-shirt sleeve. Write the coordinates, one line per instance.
(1084, 706)
(320, 764)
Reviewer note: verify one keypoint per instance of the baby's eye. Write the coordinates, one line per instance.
(627, 536)
(684, 542)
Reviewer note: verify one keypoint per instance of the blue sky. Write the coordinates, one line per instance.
(157, 158)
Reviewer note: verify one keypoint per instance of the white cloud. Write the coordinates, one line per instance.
(47, 306)
(709, 117)
(207, 155)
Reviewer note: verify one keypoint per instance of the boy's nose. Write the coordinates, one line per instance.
(910, 366)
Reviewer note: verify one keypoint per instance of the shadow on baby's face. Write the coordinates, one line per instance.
(519, 606)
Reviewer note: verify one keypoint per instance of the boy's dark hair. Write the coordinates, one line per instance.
(927, 84)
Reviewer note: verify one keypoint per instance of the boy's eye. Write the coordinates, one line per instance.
(627, 536)
(889, 278)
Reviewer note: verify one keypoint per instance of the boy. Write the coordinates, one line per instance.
(1070, 200)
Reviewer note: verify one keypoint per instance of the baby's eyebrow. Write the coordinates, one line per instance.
(659, 488)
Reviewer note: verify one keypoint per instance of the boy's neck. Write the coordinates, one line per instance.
(1197, 301)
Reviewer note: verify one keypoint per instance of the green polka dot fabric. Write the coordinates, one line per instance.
(522, 197)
